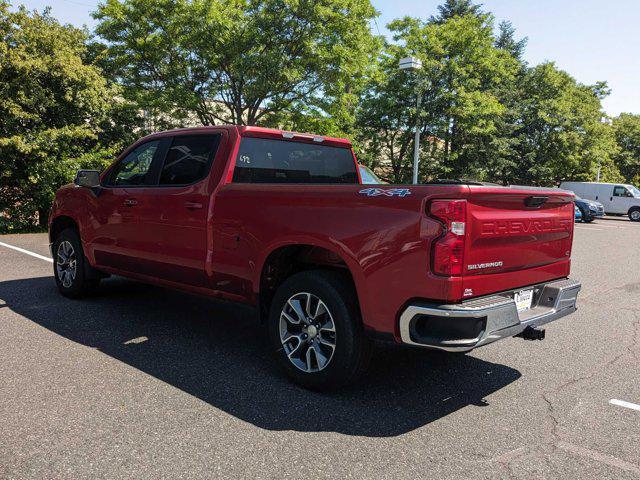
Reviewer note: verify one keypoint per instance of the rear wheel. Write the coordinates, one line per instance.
(634, 214)
(315, 330)
(70, 267)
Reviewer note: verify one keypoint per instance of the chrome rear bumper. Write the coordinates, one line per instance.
(471, 324)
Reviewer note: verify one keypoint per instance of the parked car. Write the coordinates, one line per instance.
(617, 199)
(368, 177)
(278, 220)
(589, 209)
(578, 214)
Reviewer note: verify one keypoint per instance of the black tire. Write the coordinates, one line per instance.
(352, 351)
(634, 212)
(585, 216)
(84, 281)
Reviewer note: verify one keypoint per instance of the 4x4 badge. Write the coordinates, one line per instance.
(387, 192)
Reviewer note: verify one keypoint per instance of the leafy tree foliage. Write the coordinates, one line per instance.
(386, 118)
(460, 108)
(564, 136)
(506, 40)
(456, 8)
(69, 101)
(486, 113)
(56, 114)
(239, 61)
(626, 128)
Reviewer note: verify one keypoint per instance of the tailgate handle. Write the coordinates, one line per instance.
(535, 202)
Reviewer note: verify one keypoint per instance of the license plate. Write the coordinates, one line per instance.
(523, 300)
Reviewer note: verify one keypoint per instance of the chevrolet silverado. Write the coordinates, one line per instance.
(281, 221)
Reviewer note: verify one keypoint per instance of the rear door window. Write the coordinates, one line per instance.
(188, 159)
(262, 160)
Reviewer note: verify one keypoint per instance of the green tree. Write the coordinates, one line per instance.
(627, 133)
(386, 119)
(456, 8)
(54, 114)
(565, 135)
(461, 111)
(502, 148)
(239, 61)
(506, 40)
(486, 114)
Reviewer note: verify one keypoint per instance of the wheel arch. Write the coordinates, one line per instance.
(288, 258)
(60, 223)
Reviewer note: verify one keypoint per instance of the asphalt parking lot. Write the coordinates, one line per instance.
(144, 382)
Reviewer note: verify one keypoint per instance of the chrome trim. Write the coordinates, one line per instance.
(555, 300)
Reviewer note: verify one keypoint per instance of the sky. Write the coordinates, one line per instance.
(593, 40)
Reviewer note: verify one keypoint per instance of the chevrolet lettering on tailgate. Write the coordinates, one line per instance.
(506, 227)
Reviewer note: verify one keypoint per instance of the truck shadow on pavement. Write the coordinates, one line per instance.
(218, 353)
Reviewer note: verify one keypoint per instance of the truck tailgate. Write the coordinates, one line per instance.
(516, 238)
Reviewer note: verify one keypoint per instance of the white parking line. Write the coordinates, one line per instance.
(622, 403)
(582, 227)
(609, 226)
(22, 250)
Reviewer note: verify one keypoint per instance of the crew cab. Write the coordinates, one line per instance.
(281, 221)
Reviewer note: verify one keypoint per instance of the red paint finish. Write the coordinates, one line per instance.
(213, 237)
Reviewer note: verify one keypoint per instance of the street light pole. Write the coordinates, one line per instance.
(416, 141)
(414, 64)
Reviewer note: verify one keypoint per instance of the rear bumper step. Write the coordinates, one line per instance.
(471, 324)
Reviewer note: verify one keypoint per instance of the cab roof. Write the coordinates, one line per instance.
(261, 132)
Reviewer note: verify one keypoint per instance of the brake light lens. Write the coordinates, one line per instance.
(448, 250)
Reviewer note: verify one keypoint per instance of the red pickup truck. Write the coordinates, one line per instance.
(281, 221)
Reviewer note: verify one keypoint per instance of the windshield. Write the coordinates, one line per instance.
(634, 191)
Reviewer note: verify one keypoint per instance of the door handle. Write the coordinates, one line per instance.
(611, 199)
(193, 205)
(130, 202)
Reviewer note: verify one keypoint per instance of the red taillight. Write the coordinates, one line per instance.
(448, 250)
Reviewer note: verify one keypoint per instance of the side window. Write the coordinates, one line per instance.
(133, 169)
(188, 159)
(262, 160)
(620, 191)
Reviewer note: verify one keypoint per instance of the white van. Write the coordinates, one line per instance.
(618, 199)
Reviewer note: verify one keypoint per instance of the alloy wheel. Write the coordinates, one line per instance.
(307, 332)
(66, 263)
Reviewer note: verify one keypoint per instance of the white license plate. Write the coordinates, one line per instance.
(523, 300)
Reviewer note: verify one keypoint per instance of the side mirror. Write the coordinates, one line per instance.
(87, 178)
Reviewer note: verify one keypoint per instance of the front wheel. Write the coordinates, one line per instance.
(585, 217)
(70, 266)
(588, 218)
(634, 215)
(315, 330)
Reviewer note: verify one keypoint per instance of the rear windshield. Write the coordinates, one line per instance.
(262, 160)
